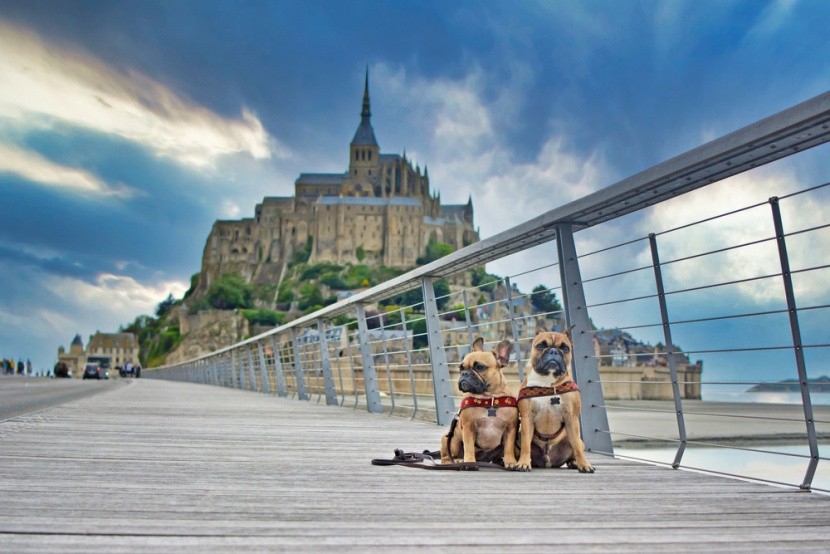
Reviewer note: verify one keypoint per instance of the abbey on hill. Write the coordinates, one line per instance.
(380, 211)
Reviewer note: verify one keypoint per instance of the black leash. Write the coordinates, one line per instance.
(432, 460)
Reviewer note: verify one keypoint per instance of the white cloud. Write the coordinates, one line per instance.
(737, 192)
(36, 169)
(41, 80)
(117, 292)
(468, 149)
(230, 209)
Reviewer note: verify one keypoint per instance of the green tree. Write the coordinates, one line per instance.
(544, 300)
(442, 291)
(435, 250)
(264, 317)
(357, 276)
(194, 282)
(418, 326)
(230, 291)
(165, 306)
(310, 295)
(333, 280)
(302, 255)
(483, 280)
(286, 292)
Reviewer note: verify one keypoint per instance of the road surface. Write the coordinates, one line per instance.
(26, 395)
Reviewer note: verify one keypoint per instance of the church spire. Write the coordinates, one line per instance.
(367, 112)
(365, 135)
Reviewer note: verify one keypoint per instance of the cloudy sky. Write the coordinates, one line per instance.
(127, 128)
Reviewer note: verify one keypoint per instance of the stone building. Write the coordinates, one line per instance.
(119, 348)
(381, 210)
(75, 358)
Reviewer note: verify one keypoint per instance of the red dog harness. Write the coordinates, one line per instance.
(489, 402)
(535, 392)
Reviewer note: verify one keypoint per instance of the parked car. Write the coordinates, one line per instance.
(94, 371)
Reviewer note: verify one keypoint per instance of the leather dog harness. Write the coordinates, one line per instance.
(489, 402)
(535, 392)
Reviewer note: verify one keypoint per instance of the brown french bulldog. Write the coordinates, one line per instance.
(485, 427)
(549, 407)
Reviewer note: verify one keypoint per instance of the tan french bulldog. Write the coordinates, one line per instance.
(487, 420)
(549, 407)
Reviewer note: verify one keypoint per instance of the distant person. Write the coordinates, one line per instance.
(20, 367)
(137, 370)
(29, 367)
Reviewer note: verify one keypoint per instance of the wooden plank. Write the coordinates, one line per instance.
(172, 466)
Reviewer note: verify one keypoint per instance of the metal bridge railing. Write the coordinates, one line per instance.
(744, 295)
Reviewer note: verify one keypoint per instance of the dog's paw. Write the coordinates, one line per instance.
(510, 465)
(586, 468)
(522, 466)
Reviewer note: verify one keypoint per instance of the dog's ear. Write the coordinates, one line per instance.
(502, 352)
(567, 332)
(541, 329)
(478, 345)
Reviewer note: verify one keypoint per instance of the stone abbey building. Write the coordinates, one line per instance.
(380, 211)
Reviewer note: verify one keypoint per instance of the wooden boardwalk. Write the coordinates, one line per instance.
(153, 466)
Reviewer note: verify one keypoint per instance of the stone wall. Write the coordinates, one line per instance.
(217, 330)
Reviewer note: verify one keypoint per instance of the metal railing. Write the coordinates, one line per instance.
(390, 352)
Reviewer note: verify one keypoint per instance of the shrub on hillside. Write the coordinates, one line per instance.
(230, 291)
(264, 316)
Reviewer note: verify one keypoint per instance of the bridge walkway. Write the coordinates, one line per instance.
(155, 466)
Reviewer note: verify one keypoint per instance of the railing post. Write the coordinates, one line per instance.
(467, 319)
(211, 371)
(282, 390)
(595, 431)
(370, 378)
(298, 366)
(227, 378)
(235, 383)
(798, 349)
(409, 363)
(664, 316)
(517, 346)
(263, 368)
(388, 370)
(325, 362)
(444, 403)
(251, 370)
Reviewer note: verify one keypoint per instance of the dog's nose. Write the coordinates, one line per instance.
(551, 360)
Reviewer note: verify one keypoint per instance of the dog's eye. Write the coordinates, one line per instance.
(565, 348)
(541, 346)
(478, 366)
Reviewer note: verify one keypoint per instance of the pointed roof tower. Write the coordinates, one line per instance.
(365, 135)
